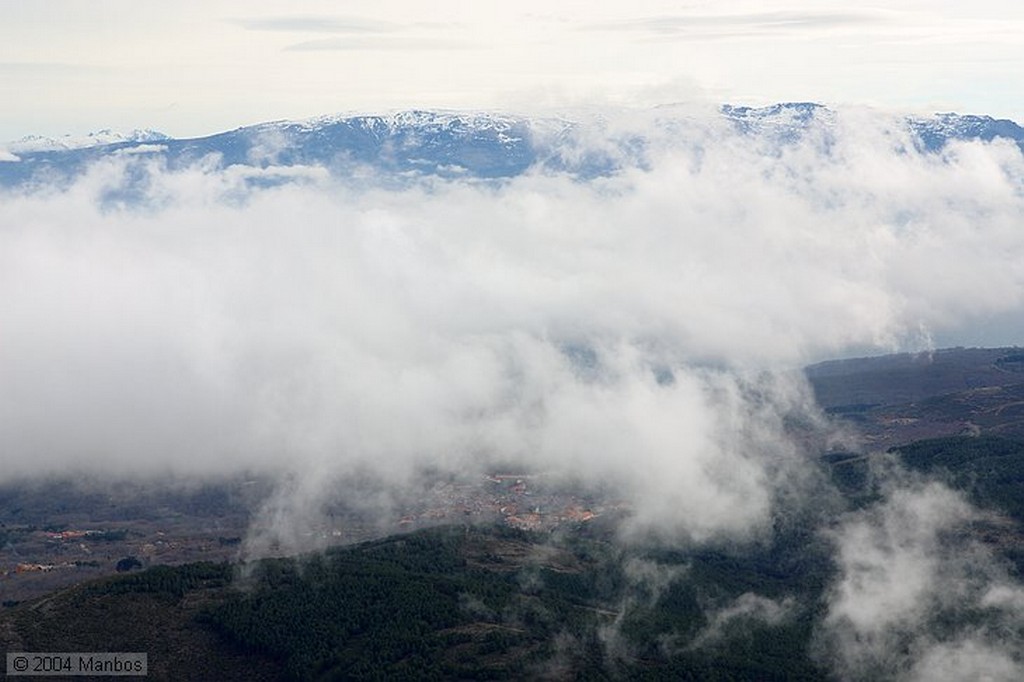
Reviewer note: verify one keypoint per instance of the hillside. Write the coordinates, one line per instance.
(448, 603)
(896, 399)
(471, 602)
(489, 601)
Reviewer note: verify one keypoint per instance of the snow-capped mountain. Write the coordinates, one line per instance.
(37, 143)
(455, 144)
(936, 131)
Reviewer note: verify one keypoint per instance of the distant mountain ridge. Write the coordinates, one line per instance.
(38, 143)
(450, 144)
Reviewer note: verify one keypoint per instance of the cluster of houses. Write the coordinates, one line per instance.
(70, 534)
(39, 568)
(505, 497)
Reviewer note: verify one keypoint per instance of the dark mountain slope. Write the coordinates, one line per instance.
(449, 603)
(896, 399)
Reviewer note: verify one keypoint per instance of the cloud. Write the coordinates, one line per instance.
(310, 23)
(967, 660)
(355, 33)
(910, 576)
(740, 25)
(646, 581)
(633, 331)
(142, 149)
(41, 69)
(382, 43)
(743, 610)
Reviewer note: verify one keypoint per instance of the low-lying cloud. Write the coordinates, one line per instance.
(745, 609)
(918, 597)
(637, 328)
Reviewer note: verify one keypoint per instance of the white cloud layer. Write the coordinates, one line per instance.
(624, 330)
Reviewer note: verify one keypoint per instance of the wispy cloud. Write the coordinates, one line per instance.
(311, 23)
(389, 43)
(356, 33)
(905, 567)
(743, 25)
(41, 69)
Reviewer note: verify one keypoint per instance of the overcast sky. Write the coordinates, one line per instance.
(191, 68)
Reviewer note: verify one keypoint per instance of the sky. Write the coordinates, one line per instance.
(76, 66)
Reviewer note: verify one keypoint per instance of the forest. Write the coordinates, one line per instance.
(492, 602)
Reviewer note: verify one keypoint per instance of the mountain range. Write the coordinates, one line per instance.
(459, 144)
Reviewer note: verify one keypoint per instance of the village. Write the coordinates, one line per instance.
(517, 500)
(57, 548)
